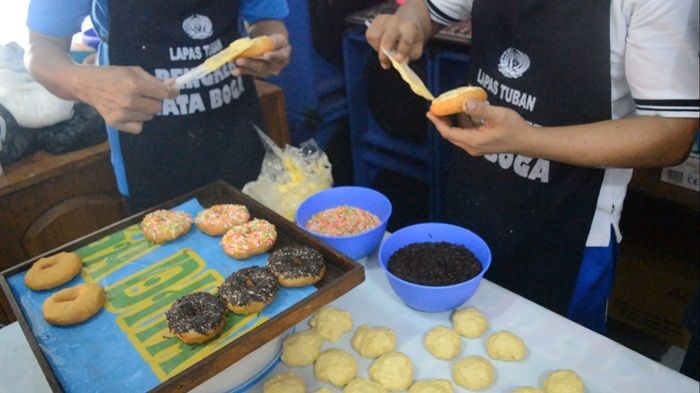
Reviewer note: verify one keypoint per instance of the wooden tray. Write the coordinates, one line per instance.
(342, 275)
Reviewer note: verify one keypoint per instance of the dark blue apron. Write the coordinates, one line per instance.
(550, 62)
(204, 134)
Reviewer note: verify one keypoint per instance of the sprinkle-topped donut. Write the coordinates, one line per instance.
(252, 238)
(218, 219)
(343, 220)
(249, 290)
(162, 226)
(196, 317)
(296, 266)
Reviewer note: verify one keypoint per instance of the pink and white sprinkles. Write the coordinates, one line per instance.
(166, 221)
(253, 234)
(343, 220)
(224, 215)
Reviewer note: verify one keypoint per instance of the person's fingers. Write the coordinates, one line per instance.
(442, 125)
(146, 84)
(481, 112)
(171, 86)
(374, 32)
(280, 41)
(278, 58)
(410, 36)
(254, 67)
(465, 139)
(143, 105)
(130, 127)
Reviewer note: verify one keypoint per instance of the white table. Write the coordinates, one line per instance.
(553, 341)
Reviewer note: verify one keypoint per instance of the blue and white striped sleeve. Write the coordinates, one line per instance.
(447, 12)
(661, 58)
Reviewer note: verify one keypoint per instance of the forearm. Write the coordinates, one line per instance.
(49, 63)
(626, 143)
(267, 27)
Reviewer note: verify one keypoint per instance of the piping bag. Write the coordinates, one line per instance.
(288, 176)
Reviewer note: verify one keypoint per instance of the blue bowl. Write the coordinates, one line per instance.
(354, 246)
(434, 298)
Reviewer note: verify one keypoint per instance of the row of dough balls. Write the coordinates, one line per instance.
(393, 371)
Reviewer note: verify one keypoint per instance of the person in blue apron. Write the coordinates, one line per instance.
(577, 93)
(164, 141)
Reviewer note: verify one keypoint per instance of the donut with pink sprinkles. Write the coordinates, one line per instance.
(252, 238)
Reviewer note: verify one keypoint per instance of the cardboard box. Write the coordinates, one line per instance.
(651, 298)
(687, 174)
(657, 272)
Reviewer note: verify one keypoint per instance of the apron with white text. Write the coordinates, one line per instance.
(550, 62)
(204, 134)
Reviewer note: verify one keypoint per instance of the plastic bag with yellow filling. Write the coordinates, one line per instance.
(289, 176)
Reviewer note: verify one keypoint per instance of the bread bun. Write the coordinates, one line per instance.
(450, 102)
(258, 47)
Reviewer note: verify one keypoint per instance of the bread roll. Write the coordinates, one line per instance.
(450, 102)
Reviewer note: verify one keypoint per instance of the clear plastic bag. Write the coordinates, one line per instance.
(289, 176)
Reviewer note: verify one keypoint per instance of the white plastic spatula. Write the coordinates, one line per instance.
(409, 76)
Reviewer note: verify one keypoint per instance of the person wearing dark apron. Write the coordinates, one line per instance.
(207, 131)
(535, 194)
(535, 214)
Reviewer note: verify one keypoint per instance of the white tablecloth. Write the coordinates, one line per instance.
(554, 343)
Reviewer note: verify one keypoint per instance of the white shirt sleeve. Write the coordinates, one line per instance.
(447, 12)
(661, 59)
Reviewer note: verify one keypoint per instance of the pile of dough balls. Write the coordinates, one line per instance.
(392, 371)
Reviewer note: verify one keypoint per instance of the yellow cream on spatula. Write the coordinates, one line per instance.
(409, 76)
(211, 64)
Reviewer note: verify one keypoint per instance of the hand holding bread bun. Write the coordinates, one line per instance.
(267, 56)
(450, 102)
(258, 47)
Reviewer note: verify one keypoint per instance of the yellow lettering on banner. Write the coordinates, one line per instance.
(106, 255)
(141, 300)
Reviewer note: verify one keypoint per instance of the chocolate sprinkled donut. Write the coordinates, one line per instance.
(196, 317)
(249, 290)
(297, 266)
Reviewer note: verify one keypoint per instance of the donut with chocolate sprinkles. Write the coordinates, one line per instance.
(196, 317)
(296, 266)
(249, 290)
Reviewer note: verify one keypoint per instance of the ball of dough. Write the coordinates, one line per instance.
(473, 373)
(324, 390)
(505, 345)
(336, 367)
(284, 383)
(527, 389)
(469, 322)
(363, 385)
(301, 349)
(373, 342)
(443, 342)
(432, 386)
(331, 323)
(393, 370)
(563, 381)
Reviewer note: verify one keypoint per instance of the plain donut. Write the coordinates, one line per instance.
(52, 271)
(73, 305)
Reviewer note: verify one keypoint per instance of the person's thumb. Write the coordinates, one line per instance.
(477, 109)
